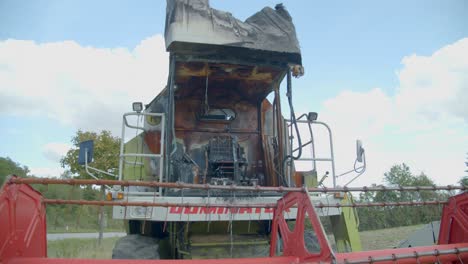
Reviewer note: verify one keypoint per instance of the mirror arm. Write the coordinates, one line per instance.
(90, 173)
(347, 172)
(363, 169)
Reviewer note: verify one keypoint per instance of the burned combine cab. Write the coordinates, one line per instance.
(220, 126)
(219, 122)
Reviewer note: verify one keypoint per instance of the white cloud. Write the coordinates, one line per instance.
(425, 124)
(45, 172)
(436, 84)
(54, 151)
(85, 87)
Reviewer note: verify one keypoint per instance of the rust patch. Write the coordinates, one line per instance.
(185, 70)
(153, 141)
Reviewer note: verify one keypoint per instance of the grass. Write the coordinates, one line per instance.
(81, 248)
(386, 238)
(89, 248)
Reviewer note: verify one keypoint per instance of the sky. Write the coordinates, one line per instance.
(391, 73)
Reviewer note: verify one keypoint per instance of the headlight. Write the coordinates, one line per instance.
(137, 107)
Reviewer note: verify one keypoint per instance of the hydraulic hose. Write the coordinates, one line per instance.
(293, 122)
(293, 118)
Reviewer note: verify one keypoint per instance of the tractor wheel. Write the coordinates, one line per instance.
(136, 247)
(261, 251)
(311, 242)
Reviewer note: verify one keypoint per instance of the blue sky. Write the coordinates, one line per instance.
(353, 52)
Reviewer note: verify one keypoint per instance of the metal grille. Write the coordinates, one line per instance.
(221, 149)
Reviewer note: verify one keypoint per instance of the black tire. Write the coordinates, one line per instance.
(136, 247)
(262, 251)
(311, 242)
(134, 227)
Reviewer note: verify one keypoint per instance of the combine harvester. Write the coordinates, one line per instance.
(213, 174)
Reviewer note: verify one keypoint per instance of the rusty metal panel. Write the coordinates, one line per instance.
(237, 88)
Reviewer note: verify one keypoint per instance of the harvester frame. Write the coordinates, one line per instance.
(23, 233)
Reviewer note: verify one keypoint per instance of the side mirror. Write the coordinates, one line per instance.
(312, 116)
(86, 152)
(359, 150)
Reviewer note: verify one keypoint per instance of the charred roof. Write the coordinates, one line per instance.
(194, 28)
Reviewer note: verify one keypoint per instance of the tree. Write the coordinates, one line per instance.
(464, 180)
(106, 158)
(379, 217)
(106, 153)
(401, 175)
(8, 167)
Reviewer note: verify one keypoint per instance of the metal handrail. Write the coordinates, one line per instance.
(314, 158)
(258, 188)
(123, 155)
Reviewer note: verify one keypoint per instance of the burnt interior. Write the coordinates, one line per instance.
(218, 122)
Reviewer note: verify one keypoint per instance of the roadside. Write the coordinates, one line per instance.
(61, 236)
(64, 230)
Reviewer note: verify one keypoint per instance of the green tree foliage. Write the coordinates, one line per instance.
(464, 180)
(466, 163)
(106, 153)
(384, 217)
(75, 217)
(8, 167)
